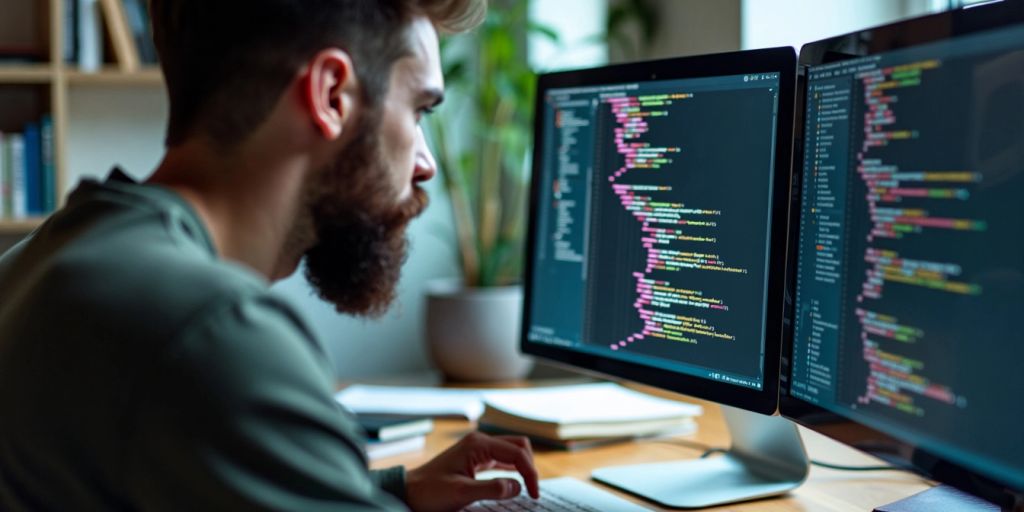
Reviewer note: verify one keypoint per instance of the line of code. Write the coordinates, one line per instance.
(680, 226)
(896, 379)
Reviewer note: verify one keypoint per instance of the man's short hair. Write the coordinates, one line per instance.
(227, 62)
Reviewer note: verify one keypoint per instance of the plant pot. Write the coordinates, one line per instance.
(473, 333)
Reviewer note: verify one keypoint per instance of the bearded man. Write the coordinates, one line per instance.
(145, 364)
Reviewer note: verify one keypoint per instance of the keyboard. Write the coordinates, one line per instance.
(561, 495)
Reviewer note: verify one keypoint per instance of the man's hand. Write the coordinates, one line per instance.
(448, 482)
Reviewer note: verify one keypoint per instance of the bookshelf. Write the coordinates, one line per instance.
(49, 84)
(20, 226)
(26, 74)
(111, 76)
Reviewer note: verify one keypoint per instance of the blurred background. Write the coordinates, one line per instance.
(113, 118)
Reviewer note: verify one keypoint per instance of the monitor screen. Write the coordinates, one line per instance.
(653, 223)
(910, 277)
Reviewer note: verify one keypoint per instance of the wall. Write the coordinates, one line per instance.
(114, 125)
(687, 27)
(693, 27)
(767, 23)
(580, 25)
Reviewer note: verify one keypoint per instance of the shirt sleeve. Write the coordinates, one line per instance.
(239, 414)
(392, 480)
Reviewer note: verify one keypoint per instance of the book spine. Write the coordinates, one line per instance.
(120, 35)
(90, 35)
(138, 21)
(4, 194)
(19, 209)
(33, 169)
(48, 193)
(70, 31)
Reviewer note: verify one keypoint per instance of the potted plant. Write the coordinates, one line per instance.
(482, 140)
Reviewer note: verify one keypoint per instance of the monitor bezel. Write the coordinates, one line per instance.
(772, 60)
(886, 38)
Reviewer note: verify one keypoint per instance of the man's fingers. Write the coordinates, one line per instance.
(496, 489)
(518, 440)
(507, 452)
(493, 464)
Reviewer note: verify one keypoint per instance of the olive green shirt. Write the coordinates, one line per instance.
(138, 371)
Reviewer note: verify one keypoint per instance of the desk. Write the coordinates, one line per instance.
(825, 489)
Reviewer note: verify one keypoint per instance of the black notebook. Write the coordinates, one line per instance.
(388, 427)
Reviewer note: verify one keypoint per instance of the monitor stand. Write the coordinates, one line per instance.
(767, 458)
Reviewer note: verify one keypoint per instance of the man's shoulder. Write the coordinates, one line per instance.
(135, 271)
(148, 273)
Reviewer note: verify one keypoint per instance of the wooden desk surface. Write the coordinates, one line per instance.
(825, 489)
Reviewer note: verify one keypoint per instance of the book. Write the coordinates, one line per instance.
(380, 449)
(70, 31)
(138, 21)
(4, 197)
(573, 445)
(16, 161)
(585, 411)
(33, 169)
(940, 497)
(388, 427)
(48, 181)
(121, 38)
(90, 35)
(412, 401)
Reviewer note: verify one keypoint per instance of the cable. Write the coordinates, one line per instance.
(854, 468)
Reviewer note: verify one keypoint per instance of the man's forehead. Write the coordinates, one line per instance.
(422, 67)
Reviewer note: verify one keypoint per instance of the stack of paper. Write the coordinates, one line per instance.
(570, 415)
(388, 435)
(412, 401)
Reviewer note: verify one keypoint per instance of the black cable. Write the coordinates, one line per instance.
(854, 468)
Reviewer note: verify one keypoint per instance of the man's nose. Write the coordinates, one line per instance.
(426, 165)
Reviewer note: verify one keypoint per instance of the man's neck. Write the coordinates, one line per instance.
(247, 198)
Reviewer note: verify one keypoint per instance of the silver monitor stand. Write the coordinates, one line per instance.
(767, 458)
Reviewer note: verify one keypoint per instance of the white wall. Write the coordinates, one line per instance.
(768, 23)
(580, 24)
(689, 27)
(114, 125)
(694, 27)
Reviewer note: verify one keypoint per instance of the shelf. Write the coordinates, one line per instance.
(19, 227)
(26, 74)
(112, 76)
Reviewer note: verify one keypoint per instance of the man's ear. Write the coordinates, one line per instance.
(331, 90)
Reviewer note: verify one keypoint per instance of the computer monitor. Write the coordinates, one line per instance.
(656, 248)
(909, 283)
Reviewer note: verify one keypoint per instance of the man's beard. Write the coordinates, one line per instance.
(360, 243)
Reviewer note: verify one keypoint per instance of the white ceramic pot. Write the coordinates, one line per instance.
(473, 333)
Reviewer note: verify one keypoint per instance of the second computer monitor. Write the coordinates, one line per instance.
(909, 287)
(657, 238)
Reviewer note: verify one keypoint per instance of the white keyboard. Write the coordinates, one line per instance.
(558, 495)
